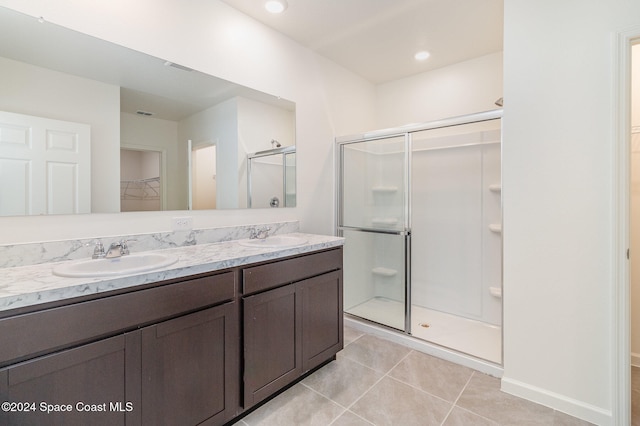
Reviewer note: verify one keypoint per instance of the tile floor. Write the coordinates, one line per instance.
(635, 396)
(377, 382)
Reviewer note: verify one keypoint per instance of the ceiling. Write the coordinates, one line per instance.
(377, 39)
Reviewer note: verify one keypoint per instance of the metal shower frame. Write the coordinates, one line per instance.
(275, 151)
(404, 131)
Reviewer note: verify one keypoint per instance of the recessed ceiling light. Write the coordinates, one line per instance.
(422, 55)
(275, 6)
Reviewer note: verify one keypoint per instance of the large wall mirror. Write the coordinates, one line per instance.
(161, 136)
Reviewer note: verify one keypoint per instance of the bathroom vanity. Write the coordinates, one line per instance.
(199, 348)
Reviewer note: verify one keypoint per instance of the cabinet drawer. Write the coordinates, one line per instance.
(264, 277)
(28, 335)
(93, 374)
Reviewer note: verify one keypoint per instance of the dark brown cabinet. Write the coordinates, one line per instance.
(189, 368)
(290, 328)
(271, 335)
(80, 386)
(164, 355)
(195, 351)
(322, 320)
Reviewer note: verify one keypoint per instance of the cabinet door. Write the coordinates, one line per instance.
(272, 335)
(81, 386)
(322, 320)
(190, 369)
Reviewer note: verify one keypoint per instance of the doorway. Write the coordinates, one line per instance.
(203, 177)
(622, 241)
(141, 183)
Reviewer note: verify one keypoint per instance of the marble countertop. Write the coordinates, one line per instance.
(31, 285)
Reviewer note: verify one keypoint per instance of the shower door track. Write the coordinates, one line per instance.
(438, 124)
(374, 230)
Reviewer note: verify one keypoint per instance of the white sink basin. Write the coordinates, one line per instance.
(275, 241)
(128, 264)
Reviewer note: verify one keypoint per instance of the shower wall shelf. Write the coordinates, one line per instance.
(495, 227)
(385, 272)
(385, 189)
(496, 187)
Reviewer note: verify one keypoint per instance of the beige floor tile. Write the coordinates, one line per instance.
(483, 397)
(561, 419)
(343, 380)
(635, 396)
(434, 375)
(299, 406)
(391, 402)
(350, 419)
(635, 408)
(351, 334)
(376, 353)
(418, 390)
(460, 417)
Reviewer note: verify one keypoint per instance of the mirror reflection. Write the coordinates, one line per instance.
(272, 177)
(162, 136)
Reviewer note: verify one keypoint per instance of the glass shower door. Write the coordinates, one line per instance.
(456, 238)
(373, 219)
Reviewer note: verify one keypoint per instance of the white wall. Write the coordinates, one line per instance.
(217, 125)
(557, 186)
(229, 45)
(259, 123)
(463, 88)
(70, 98)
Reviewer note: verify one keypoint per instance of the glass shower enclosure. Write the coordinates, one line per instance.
(374, 221)
(420, 210)
(271, 178)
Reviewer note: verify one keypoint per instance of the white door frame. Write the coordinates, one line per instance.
(620, 290)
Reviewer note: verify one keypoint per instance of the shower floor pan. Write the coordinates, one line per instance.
(468, 336)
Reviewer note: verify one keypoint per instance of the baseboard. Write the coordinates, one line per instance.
(575, 408)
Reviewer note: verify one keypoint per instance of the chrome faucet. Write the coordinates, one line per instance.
(98, 251)
(259, 233)
(117, 249)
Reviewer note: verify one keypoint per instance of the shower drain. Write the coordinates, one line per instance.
(424, 324)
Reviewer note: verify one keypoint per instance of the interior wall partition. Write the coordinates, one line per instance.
(420, 210)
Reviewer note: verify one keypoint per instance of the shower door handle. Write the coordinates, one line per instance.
(375, 230)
